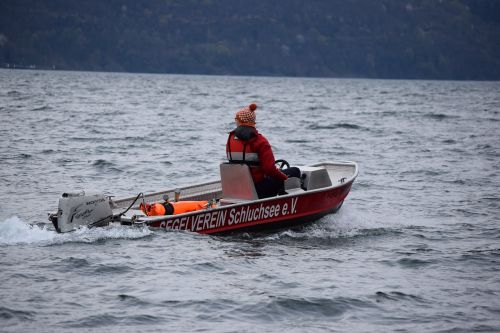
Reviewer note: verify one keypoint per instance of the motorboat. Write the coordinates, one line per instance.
(229, 204)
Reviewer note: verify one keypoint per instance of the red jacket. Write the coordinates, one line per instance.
(254, 143)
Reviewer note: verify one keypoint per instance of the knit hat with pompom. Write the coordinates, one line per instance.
(246, 116)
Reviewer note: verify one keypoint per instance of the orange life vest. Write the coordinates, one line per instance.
(240, 151)
(172, 208)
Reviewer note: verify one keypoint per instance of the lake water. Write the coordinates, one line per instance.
(415, 247)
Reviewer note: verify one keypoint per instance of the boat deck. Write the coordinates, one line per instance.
(339, 172)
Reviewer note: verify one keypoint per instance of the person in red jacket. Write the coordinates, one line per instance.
(246, 145)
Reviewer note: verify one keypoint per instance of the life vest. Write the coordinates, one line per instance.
(240, 151)
(172, 208)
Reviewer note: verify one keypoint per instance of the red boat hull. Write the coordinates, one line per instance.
(269, 214)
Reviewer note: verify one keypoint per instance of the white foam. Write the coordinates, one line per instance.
(344, 224)
(115, 231)
(15, 231)
(349, 223)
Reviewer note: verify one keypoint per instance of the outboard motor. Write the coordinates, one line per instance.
(81, 209)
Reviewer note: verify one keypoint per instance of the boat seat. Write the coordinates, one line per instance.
(237, 184)
(315, 178)
(293, 185)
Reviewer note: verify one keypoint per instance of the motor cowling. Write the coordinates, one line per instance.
(82, 209)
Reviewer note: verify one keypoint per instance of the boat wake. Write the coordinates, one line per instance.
(14, 231)
(349, 223)
(345, 224)
(333, 229)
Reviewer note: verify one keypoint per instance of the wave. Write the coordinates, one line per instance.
(281, 306)
(318, 107)
(440, 116)
(297, 141)
(414, 262)
(41, 108)
(25, 156)
(335, 126)
(102, 163)
(133, 300)
(110, 320)
(14, 231)
(7, 313)
(381, 296)
(48, 151)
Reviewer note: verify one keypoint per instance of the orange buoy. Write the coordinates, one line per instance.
(188, 206)
(172, 208)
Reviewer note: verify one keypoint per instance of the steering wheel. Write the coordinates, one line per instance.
(281, 164)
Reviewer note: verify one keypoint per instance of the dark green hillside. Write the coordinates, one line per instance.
(447, 39)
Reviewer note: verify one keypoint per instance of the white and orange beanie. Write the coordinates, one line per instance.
(246, 116)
